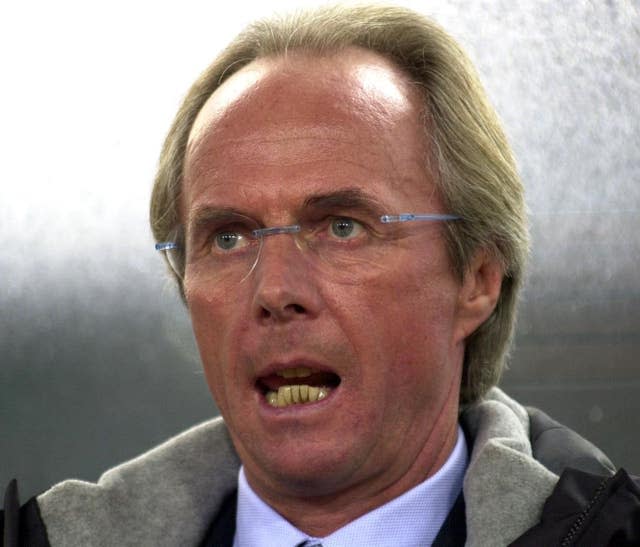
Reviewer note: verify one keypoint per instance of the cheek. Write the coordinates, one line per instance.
(404, 324)
(410, 307)
(212, 317)
(210, 324)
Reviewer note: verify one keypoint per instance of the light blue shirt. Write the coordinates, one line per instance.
(413, 519)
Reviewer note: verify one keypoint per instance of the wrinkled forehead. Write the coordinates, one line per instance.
(302, 124)
(343, 87)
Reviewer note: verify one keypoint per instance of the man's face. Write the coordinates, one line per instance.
(276, 137)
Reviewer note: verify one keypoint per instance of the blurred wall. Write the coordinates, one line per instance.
(97, 361)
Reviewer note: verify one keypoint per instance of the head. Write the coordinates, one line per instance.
(467, 149)
(344, 114)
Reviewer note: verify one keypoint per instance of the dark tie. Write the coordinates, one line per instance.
(309, 543)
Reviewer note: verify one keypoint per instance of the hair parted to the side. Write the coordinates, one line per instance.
(475, 169)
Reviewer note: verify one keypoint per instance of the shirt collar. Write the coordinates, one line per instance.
(414, 518)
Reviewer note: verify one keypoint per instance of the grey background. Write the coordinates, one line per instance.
(97, 362)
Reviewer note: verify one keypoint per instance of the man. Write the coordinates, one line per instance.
(343, 216)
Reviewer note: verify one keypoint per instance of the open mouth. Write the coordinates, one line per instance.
(297, 386)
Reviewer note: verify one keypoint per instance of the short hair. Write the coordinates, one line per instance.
(474, 166)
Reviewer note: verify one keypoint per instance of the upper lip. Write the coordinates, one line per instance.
(279, 365)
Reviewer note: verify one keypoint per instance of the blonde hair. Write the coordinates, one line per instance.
(475, 169)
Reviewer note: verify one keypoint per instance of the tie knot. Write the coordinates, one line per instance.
(309, 543)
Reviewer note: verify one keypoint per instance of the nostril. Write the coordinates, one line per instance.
(264, 313)
(288, 311)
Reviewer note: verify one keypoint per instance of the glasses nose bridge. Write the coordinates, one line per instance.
(263, 233)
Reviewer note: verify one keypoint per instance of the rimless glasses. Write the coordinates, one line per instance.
(225, 247)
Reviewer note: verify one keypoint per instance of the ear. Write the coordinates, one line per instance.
(479, 293)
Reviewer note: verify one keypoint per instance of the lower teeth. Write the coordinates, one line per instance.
(297, 394)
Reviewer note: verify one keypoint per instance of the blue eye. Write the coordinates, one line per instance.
(229, 241)
(345, 228)
(226, 240)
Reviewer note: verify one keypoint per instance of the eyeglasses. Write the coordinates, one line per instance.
(227, 249)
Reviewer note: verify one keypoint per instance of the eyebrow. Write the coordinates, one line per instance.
(350, 198)
(207, 215)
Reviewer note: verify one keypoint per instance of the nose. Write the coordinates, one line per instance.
(285, 288)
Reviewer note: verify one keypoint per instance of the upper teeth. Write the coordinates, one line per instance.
(289, 395)
(296, 372)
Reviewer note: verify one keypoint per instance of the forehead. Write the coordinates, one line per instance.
(286, 126)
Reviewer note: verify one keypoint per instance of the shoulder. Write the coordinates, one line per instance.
(591, 500)
(21, 525)
(598, 509)
(534, 433)
(587, 500)
(557, 447)
(522, 462)
(166, 496)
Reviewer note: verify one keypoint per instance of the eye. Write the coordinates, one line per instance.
(345, 228)
(228, 240)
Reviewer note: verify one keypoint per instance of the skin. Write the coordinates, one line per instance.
(274, 134)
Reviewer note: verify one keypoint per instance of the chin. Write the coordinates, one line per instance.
(309, 470)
